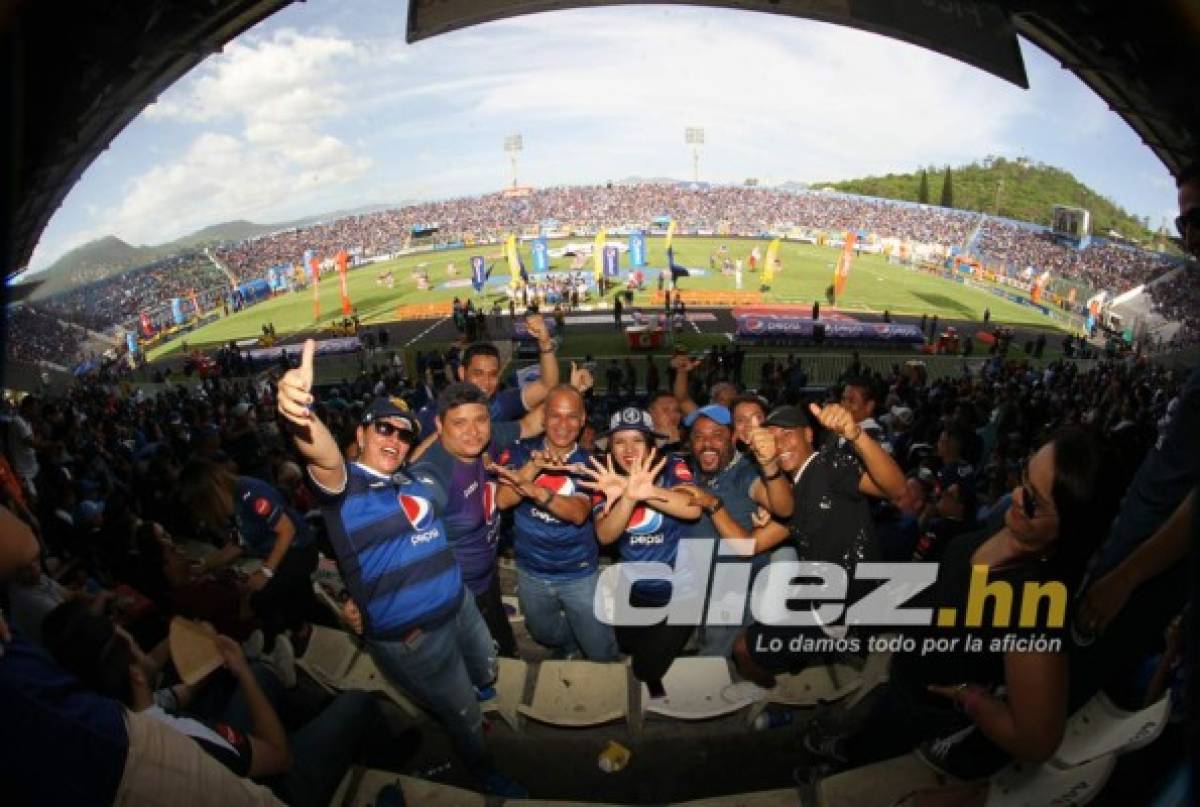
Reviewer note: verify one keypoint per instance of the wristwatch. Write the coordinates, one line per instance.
(772, 477)
(266, 571)
(713, 507)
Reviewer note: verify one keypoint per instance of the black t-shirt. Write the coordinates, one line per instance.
(968, 753)
(831, 522)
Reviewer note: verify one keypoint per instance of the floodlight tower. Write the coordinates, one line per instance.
(694, 137)
(513, 146)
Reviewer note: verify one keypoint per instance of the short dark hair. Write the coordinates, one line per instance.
(88, 646)
(479, 349)
(460, 394)
(870, 392)
(1189, 173)
(750, 399)
(654, 396)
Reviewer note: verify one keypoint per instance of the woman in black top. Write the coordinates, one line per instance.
(970, 710)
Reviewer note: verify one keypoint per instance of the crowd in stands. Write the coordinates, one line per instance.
(35, 335)
(1178, 300)
(111, 487)
(1102, 267)
(120, 299)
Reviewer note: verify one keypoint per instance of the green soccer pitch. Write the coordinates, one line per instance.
(807, 270)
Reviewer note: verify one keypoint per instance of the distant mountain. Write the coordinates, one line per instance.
(1026, 191)
(110, 256)
(793, 187)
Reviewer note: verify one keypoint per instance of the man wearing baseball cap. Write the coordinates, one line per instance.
(831, 521)
(741, 483)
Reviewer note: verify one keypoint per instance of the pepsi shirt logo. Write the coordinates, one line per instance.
(262, 506)
(417, 510)
(562, 485)
(682, 472)
(644, 521)
(489, 501)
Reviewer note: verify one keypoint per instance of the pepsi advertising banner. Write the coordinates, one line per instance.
(767, 326)
(131, 342)
(637, 250)
(612, 262)
(541, 255)
(177, 314)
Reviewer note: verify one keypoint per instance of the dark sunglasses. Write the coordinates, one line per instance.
(1188, 219)
(385, 429)
(1029, 501)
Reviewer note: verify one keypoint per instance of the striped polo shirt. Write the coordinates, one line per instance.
(391, 546)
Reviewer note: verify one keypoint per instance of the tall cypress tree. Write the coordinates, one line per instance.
(947, 189)
(923, 190)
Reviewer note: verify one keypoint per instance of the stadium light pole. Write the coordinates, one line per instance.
(694, 137)
(513, 145)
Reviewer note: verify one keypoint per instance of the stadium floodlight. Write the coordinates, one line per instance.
(513, 144)
(694, 137)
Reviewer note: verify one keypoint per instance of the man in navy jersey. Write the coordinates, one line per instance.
(481, 366)
(557, 553)
(421, 626)
(456, 461)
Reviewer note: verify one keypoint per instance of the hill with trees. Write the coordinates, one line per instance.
(1015, 189)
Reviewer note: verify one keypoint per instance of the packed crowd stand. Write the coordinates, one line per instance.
(119, 300)
(1043, 474)
(36, 335)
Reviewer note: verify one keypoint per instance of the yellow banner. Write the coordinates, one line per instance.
(514, 262)
(768, 271)
(598, 255)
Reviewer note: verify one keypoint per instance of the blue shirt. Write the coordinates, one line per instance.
(391, 546)
(258, 507)
(651, 536)
(472, 521)
(63, 744)
(548, 546)
(506, 405)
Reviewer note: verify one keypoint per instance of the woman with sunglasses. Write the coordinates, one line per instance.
(988, 699)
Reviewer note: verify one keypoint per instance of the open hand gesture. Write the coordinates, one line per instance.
(294, 395)
(604, 480)
(640, 485)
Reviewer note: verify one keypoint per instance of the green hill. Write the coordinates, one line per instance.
(1026, 191)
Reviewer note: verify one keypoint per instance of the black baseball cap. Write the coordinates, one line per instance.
(788, 417)
(391, 407)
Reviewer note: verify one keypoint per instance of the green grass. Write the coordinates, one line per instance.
(873, 285)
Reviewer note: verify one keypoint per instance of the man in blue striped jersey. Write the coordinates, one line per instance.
(421, 625)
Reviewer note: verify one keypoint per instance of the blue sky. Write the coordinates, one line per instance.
(323, 106)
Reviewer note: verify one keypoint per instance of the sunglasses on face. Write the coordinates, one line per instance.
(1188, 219)
(385, 429)
(1029, 501)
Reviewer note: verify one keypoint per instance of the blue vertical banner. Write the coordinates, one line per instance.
(478, 277)
(177, 311)
(308, 256)
(637, 250)
(272, 278)
(131, 342)
(541, 255)
(612, 262)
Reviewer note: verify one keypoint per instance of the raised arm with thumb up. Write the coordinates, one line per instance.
(294, 400)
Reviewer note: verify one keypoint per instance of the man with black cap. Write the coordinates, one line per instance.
(830, 521)
(422, 627)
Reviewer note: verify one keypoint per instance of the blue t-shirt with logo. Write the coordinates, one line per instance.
(651, 536)
(258, 507)
(547, 546)
(392, 550)
(471, 518)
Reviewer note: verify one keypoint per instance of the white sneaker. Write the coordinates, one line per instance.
(253, 646)
(283, 661)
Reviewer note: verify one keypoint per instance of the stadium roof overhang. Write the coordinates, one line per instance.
(75, 74)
